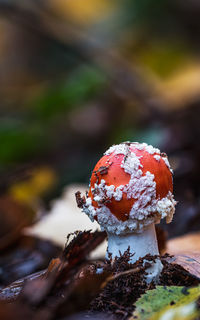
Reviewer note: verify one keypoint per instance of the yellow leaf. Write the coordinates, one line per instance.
(83, 11)
(184, 86)
(167, 303)
(29, 191)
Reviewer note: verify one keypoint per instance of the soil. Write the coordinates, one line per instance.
(118, 295)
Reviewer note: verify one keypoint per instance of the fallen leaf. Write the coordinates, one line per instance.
(11, 292)
(183, 87)
(190, 262)
(26, 256)
(187, 243)
(78, 297)
(36, 287)
(10, 311)
(186, 311)
(156, 302)
(83, 11)
(65, 217)
(31, 189)
(14, 216)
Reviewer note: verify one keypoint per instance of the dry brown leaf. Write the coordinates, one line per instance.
(36, 287)
(189, 243)
(11, 292)
(186, 251)
(14, 216)
(189, 261)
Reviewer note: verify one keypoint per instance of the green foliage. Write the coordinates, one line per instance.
(19, 141)
(23, 139)
(82, 84)
(176, 302)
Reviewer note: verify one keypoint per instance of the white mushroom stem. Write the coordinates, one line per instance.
(140, 245)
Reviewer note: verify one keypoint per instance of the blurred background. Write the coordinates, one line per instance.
(77, 76)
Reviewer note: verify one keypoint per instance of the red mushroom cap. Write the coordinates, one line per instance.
(111, 170)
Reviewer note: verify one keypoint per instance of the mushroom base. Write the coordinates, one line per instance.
(140, 245)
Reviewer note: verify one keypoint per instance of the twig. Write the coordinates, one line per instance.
(117, 275)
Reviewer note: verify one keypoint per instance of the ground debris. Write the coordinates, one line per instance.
(126, 284)
(176, 275)
(80, 200)
(73, 285)
(61, 288)
(122, 288)
(28, 255)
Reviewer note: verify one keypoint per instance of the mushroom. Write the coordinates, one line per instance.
(130, 191)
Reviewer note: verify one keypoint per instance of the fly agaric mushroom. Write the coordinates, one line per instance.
(130, 191)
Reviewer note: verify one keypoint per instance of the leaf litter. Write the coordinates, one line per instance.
(73, 285)
(157, 302)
